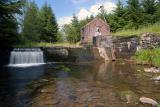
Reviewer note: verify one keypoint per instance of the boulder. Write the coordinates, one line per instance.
(150, 101)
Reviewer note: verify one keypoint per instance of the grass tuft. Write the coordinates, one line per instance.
(151, 57)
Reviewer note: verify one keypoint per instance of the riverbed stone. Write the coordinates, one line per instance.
(150, 101)
(152, 70)
(156, 78)
(43, 80)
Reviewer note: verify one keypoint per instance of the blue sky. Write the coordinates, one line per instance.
(64, 9)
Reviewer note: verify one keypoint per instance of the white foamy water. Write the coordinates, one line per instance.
(26, 57)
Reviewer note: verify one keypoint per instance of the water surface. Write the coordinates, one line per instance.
(110, 84)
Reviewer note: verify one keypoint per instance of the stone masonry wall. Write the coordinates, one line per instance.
(149, 40)
(126, 47)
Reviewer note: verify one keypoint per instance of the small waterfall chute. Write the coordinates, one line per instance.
(26, 57)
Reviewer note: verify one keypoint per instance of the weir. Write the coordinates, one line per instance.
(26, 57)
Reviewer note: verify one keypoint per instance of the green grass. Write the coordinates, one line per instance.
(151, 57)
(155, 28)
(45, 44)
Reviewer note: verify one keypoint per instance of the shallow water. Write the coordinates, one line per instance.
(110, 84)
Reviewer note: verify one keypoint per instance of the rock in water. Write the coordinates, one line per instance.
(156, 78)
(145, 100)
(152, 70)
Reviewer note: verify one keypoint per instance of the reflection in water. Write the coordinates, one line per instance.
(109, 84)
(13, 81)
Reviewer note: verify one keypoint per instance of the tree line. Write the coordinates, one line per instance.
(130, 14)
(22, 21)
(39, 25)
(133, 14)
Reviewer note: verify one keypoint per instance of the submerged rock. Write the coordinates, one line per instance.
(43, 80)
(156, 78)
(129, 97)
(150, 101)
(152, 70)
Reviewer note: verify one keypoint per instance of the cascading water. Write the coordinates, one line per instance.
(26, 57)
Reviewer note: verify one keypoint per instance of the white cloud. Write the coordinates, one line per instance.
(64, 20)
(93, 10)
(108, 6)
(83, 13)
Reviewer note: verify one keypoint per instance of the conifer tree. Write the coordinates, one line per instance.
(31, 22)
(149, 11)
(8, 22)
(157, 10)
(149, 6)
(134, 13)
(48, 24)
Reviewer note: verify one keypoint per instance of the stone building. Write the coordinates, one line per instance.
(97, 27)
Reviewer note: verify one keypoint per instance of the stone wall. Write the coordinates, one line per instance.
(149, 40)
(104, 48)
(65, 54)
(126, 47)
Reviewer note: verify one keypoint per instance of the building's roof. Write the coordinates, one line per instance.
(97, 18)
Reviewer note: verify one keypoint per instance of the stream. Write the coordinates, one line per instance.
(94, 84)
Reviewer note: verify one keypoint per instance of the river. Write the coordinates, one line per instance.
(95, 84)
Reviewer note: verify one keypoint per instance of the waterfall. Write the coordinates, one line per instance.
(26, 57)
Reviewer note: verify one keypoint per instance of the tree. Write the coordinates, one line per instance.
(8, 23)
(118, 20)
(61, 36)
(31, 22)
(70, 33)
(76, 26)
(149, 8)
(157, 14)
(48, 24)
(134, 14)
(120, 9)
(72, 30)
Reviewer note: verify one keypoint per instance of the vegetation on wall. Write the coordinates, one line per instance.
(149, 57)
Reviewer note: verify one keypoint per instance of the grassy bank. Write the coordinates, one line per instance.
(151, 57)
(44, 44)
(155, 28)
